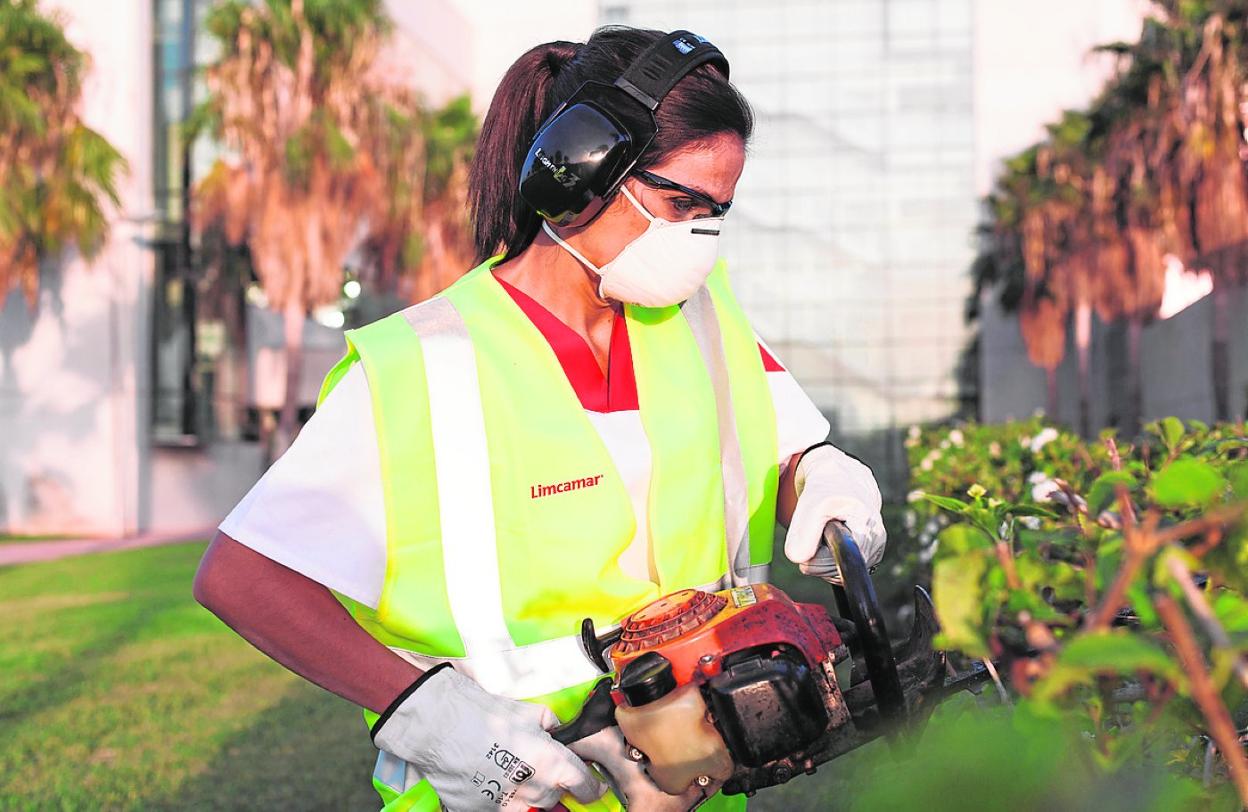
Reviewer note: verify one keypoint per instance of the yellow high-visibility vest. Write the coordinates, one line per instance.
(505, 515)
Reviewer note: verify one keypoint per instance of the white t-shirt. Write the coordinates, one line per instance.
(320, 511)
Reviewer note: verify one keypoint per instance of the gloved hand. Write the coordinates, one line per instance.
(833, 485)
(628, 778)
(481, 751)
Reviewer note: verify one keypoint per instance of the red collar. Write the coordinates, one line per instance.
(617, 390)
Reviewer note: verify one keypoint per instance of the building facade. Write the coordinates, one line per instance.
(850, 236)
(130, 393)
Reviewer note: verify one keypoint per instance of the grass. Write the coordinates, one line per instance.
(22, 538)
(117, 691)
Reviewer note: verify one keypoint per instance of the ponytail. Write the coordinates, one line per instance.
(501, 220)
(702, 104)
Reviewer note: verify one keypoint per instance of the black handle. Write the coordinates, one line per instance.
(857, 598)
(598, 713)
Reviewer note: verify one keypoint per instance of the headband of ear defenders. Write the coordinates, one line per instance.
(585, 148)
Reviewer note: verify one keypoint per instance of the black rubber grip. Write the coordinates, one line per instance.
(598, 713)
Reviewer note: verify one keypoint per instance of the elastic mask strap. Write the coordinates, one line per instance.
(570, 249)
(637, 205)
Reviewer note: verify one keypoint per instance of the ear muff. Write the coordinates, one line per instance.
(584, 149)
(577, 155)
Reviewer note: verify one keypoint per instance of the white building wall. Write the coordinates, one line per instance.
(501, 31)
(73, 372)
(1175, 368)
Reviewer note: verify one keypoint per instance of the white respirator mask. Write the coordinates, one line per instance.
(663, 266)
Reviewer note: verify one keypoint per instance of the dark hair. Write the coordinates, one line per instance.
(702, 104)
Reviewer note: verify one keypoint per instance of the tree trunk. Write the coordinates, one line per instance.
(1135, 392)
(1083, 346)
(1050, 382)
(1221, 353)
(293, 316)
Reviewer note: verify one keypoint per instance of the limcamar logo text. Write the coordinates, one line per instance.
(538, 491)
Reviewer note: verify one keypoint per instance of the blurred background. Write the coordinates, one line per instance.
(139, 385)
(953, 210)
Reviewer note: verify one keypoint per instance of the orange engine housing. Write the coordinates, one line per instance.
(695, 630)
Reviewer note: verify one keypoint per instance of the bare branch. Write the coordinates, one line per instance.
(1205, 693)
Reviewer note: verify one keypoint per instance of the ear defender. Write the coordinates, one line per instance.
(585, 148)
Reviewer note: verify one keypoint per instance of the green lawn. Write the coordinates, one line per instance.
(117, 691)
(25, 538)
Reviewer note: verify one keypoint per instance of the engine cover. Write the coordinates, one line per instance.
(762, 664)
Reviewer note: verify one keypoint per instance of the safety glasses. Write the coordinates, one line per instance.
(706, 206)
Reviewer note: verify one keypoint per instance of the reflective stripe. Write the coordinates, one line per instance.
(699, 310)
(525, 672)
(465, 499)
(395, 773)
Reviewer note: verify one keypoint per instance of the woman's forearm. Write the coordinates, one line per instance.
(786, 492)
(300, 624)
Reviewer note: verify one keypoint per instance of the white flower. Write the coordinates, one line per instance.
(994, 448)
(956, 437)
(913, 432)
(1030, 522)
(926, 464)
(944, 443)
(1044, 490)
(1036, 477)
(1047, 435)
(915, 495)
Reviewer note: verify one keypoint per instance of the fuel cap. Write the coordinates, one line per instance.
(647, 678)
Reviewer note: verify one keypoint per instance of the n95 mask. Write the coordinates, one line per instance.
(663, 266)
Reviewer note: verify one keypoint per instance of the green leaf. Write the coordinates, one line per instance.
(947, 503)
(1031, 510)
(1238, 475)
(1186, 482)
(1101, 494)
(1111, 652)
(960, 539)
(1171, 432)
(1137, 594)
(1118, 651)
(957, 591)
(1232, 612)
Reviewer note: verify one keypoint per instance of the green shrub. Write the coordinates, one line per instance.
(1106, 581)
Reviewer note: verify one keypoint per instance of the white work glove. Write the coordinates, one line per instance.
(628, 778)
(833, 485)
(481, 751)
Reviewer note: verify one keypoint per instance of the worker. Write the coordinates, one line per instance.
(582, 423)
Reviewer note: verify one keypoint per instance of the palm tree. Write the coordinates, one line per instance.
(1069, 203)
(55, 172)
(294, 97)
(418, 240)
(1015, 257)
(1212, 162)
(1137, 213)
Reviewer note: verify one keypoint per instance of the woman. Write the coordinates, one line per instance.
(583, 423)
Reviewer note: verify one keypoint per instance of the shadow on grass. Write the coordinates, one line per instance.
(309, 751)
(93, 632)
